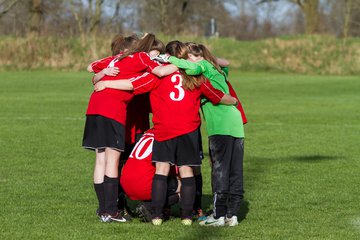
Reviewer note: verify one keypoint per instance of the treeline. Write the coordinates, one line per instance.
(313, 54)
(239, 19)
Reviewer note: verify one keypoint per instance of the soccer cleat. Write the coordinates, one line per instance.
(231, 222)
(126, 215)
(156, 221)
(117, 217)
(143, 213)
(213, 222)
(186, 221)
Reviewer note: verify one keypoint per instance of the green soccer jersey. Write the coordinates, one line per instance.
(220, 119)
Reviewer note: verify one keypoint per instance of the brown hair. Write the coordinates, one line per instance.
(120, 43)
(146, 44)
(201, 50)
(180, 50)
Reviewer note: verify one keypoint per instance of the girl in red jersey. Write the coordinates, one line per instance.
(105, 131)
(175, 102)
(137, 175)
(138, 109)
(96, 126)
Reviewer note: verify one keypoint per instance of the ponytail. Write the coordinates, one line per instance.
(209, 57)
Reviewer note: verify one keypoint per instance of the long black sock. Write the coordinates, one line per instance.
(121, 198)
(99, 189)
(187, 194)
(111, 194)
(172, 199)
(198, 193)
(158, 195)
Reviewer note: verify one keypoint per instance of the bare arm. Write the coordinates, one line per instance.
(162, 71)
(223, 62)
(112, 71)
(89, 68)
(228, 100)
(121, 84)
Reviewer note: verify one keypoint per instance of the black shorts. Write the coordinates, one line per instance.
(102, 132)
(181, 151)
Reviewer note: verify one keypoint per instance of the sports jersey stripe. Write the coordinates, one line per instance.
(138, 77)
(132, 80)
(142, 53)
(212, 91)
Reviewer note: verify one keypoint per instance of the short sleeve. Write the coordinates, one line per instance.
(147, 62)
(99, 65)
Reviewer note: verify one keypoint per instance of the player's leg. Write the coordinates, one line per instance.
(197, 209)
(199, 184)
(121, 202)
(220, 152)
(187, 192)
(99, 172)
(111, 183)
(236, 182)
(159, 190)
(173, 194)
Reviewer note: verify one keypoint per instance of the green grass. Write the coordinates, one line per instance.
(301, 161)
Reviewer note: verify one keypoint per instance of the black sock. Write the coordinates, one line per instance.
(121, 198)
(198, 193)
(158, 195)
(147, 205)
(99, 189)
(111, 194)
(172, 199)
(187, 194)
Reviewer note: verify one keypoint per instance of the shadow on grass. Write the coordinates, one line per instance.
(315, 158)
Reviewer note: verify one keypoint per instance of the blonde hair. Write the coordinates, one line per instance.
(201, 50)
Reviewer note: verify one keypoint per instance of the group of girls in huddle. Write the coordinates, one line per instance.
(176, 84)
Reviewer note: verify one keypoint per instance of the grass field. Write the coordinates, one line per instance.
(301, 167)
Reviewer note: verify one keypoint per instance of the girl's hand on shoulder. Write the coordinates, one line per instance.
(111, 71)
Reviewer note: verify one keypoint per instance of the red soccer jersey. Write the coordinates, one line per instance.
(137, 118)
(239, 106)
(99, 65)
(138, 171)
(111, 103)
(175, 110)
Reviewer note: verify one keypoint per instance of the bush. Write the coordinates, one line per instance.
(300, 54)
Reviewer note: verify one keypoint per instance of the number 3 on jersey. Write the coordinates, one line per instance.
(179, 92)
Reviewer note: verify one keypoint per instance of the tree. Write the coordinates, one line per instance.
(96, 15)
(310, 10)
(6, 6)
(36, 15)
